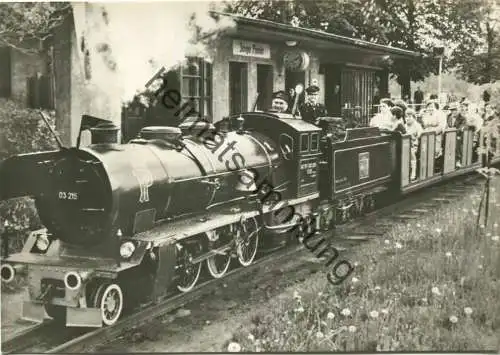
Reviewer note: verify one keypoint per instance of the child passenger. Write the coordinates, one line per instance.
(414, 129)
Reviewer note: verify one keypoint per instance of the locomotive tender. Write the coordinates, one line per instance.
(127, 223)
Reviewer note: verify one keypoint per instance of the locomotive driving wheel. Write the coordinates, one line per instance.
(188, 272)
(109, 299)
(247, 241)
(218, 264)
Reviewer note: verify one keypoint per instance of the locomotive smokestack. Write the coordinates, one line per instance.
(105, 133)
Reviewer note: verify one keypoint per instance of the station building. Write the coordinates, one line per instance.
(252, 60)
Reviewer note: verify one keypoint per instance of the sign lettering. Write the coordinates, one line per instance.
(251, 49)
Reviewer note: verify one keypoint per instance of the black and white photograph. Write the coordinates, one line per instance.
(189, 176)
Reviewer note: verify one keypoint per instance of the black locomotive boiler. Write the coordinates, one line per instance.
(127, 223)
(143, 215)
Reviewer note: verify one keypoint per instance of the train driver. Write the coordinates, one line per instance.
(280, 102)
(311, 110)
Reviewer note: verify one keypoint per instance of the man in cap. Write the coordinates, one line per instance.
(311, 109)
(280, 102)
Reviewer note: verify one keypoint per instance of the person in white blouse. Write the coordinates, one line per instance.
(435, 120)
(383, 119)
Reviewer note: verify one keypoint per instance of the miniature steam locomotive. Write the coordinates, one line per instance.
(125, 223)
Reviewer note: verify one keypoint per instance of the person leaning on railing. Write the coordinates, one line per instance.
(434, 120)
(456, 119)
(414, 129)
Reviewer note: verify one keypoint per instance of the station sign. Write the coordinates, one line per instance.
(251, 49)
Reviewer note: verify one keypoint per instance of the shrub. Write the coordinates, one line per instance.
(22, 130)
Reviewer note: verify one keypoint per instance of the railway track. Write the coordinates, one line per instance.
(44, 338)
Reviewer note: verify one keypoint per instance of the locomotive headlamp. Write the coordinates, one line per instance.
(127, 249)
(42, 242)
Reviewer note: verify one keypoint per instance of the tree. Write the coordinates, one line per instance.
(482, 65)
(417, 25)
(22, 22)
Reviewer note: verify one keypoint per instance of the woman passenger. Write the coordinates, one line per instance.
(435, 120)
(414, 129)
(382, 120)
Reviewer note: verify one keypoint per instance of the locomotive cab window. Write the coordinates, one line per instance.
(304, 142)
(314, 142)
(286, 146)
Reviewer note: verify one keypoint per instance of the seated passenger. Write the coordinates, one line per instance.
(435, 120)
(280, 102)
(397, 124)
(414, 129)
(473, 118)
(382, 120)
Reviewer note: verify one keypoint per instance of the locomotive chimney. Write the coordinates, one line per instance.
(104, 133)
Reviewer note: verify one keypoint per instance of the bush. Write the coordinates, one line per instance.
(22, 130)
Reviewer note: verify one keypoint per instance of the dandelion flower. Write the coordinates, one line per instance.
(377, 288)
(480, 267)
(418, 225)
(436, 291)
(386, 241)
(296, 295)
(330, 315)
(352, 329)
(354, 280)
(495, 225)
(453, 319)
(384, 311)
(299, 310)
(448, 254)
(495, 238)
(320, 335)
(356, 263)
(234, 347)
(346, 312)
(488, 234)
(250, 337)
(374, 314)
(438, 230)
(482, 226)
(398, 245)
(468, 311)
(320, 294)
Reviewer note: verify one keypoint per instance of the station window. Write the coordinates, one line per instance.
(196, 85)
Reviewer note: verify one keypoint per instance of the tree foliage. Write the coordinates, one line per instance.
(417, 25)
(22, 22)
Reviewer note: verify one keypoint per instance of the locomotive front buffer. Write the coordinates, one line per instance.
(87, 294)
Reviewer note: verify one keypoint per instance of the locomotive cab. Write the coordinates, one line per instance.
(298, 145)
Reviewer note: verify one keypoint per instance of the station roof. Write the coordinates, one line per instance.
(279, 31)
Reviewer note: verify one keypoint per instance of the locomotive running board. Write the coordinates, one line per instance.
(178, 230)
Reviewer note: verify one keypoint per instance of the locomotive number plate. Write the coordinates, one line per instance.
(64, 195)
(364, 165)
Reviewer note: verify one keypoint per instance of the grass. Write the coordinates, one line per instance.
(428, 285)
